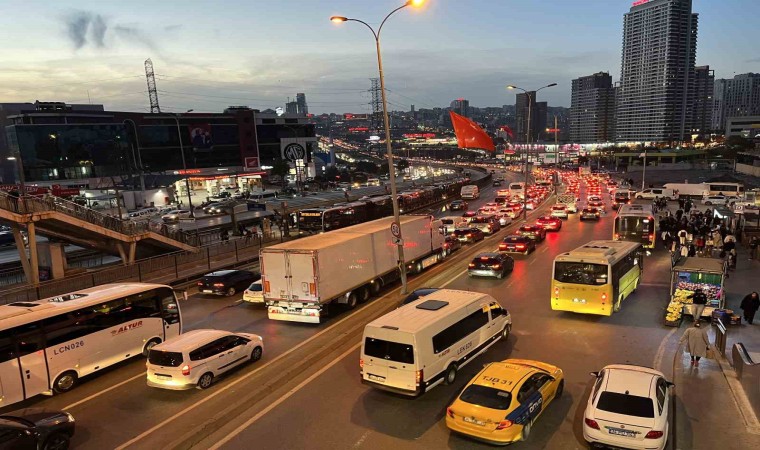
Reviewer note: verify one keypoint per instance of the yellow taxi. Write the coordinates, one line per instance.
(500, 404)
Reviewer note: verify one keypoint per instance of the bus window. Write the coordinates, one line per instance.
(580, 273)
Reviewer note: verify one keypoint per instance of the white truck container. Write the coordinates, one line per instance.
(693, 190)
(569, 200)
(302, 278)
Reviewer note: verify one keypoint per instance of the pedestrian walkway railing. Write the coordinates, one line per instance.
(720, 337)
(27, 204)
(165, 269)
(748, 373)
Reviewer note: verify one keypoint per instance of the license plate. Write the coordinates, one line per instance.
(474, 420)
(206, 291)
(376, 378)
(619, 432)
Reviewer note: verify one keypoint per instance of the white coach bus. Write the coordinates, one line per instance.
(46, 346)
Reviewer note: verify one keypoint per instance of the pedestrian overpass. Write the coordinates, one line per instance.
(63, 221)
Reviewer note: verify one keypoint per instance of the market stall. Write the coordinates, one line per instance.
(687, 275)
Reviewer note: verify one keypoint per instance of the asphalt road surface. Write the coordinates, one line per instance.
(326, 407)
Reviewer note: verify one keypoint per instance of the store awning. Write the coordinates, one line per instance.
(152, 181)
(699, 265)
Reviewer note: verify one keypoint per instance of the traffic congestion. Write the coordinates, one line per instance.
(428, 339)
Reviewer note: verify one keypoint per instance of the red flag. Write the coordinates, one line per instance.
(469, 134)
(508, 130)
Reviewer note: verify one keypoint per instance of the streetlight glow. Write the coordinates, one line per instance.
(511, 87)
(338, 19)
(11, 158)
(415, 3)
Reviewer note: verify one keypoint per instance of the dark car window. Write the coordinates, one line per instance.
(166, 359)
(629, 405)
(487, 397)
(389, 350)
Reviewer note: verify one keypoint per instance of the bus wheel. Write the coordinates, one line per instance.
(65, 382)
(364, 294)
(351, 301)
(616, 306)
(151, 343)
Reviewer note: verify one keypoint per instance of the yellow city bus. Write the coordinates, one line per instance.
(596, 277)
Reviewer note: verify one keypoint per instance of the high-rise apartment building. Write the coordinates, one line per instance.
(592, 109)
(523, 103)
(303, 108)
(735, 97)
(657, 71)
(702, 104)
(461, 107)
(291, 108)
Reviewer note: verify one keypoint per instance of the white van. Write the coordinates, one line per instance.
(470, 192)
(422, 344)
(517, 189)
(196, 358)
(652, 193)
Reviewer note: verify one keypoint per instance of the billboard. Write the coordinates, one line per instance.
(200, 137)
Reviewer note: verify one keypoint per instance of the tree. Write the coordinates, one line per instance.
(330, 173)
(366, 166)
(280, 167)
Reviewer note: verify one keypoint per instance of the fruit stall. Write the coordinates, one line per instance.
(687, 275)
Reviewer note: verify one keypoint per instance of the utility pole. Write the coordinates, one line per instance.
(556, 142)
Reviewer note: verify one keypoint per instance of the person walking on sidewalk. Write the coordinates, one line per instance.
(699, 300)
(697, 342)
(750, 304)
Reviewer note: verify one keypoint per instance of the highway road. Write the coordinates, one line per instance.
(323, 405)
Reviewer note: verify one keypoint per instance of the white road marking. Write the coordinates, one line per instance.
(532, 261)
(362, 439)
(284, 397)
(87, 399)
(544, 249)
(661, 349)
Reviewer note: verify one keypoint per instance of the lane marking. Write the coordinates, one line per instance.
(284, 397)
(361, 440)
(87, 399)
(532, 261)
(661, 349)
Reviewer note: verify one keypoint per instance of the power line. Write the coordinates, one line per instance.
(277, 86)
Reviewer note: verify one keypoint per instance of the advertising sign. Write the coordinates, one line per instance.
(251, 162)
(200, 136)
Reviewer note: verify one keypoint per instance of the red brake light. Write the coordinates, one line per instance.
(504, 424)
(520, 246)
(471, 265)
(200, 283)
(361, 363)
(502, 246)
(450, 412)
(469, 234)
(654, 435)
(496, 266)
(418, 376)
(556, 291)
(591, 423)
(185, 370)
(218, 284)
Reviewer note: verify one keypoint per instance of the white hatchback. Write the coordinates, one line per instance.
(254, 293)
(196, 358)
(628, 408)
(560, 211)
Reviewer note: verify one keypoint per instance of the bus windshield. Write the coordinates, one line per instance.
(310, 220)
(580, 273)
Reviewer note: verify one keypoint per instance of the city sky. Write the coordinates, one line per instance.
(211, 54)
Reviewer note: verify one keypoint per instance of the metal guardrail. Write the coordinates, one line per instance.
(748, 373)
(165, 269)
(27, 204)
(720, 337)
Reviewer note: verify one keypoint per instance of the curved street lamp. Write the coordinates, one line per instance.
(389, 149)
(527, 140)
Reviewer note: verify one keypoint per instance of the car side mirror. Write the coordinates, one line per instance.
(670, 384)
(594, 374)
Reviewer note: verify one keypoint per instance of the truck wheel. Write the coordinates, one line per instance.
(351, 301)
(363, 294)
(375, 286)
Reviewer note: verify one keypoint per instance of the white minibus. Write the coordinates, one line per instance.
(470, 192)
(424, 343)
(46, 346)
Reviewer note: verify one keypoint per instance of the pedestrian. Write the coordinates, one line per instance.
(248, 235)
(682, 236)
(699, 300)
(697, 342)
(225, 236)
(665, 236)
(345, 193)
(681, 203)
(750, 305)
(700, 244)
(684, 250)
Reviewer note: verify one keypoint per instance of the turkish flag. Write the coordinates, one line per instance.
(508, 130)
(469, 134)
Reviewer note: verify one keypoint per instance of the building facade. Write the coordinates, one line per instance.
(657, 71)
(525, 102)
(735, 97)
(461, 106)
(702, 106)
(303, 108)
(592, 109)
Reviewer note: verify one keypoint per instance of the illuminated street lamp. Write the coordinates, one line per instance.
(389, 150)
(527, 143)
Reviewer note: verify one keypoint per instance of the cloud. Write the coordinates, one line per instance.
(99, 28)
(85, 28)
(172, 27)
(76, 27)
(133, 34)
(753, 60)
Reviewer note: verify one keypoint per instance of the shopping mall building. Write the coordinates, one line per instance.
(87, 147)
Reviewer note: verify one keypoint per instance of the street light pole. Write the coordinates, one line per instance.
(184, 164)
(527, 142)
(386, 123)
(138, 159)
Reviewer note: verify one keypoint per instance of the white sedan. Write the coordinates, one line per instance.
(559, 210)
(718, 200)
(175, 215)
(628, 408)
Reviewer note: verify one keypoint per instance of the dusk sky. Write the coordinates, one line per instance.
(211, 54)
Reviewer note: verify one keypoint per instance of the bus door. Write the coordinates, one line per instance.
(170, 314)
(11, 386)
(30, 347)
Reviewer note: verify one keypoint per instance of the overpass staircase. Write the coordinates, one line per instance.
(66, 221)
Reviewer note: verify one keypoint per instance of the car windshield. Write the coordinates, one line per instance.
(509, 239)
(166, 359)
(487, 397)
(558, 208)
(388, 350)
(630, 405)
(580, 273)
(255, 287)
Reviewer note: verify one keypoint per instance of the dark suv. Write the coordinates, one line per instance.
(33, 429)
(227, 282)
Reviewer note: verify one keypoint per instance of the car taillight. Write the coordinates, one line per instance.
(504, 424)
(418, 375)
(185, 370)
(200, 283)
(218, 284)
(556, 291)
(604, 297)
(446, 245)
(471, 265)
(651, 237)
(450, 412)
(617, 236)
(502, 246)
(591, 423)
(266, 286)
(654, 435)
(520, 246)
(496, 266)
(361, 363)
(312, 289)
(469, 234)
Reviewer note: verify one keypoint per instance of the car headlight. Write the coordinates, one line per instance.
(71, 418)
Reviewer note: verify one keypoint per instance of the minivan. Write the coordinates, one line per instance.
(652, 193)
(196, 358)
(425, 343)
(470, 192)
